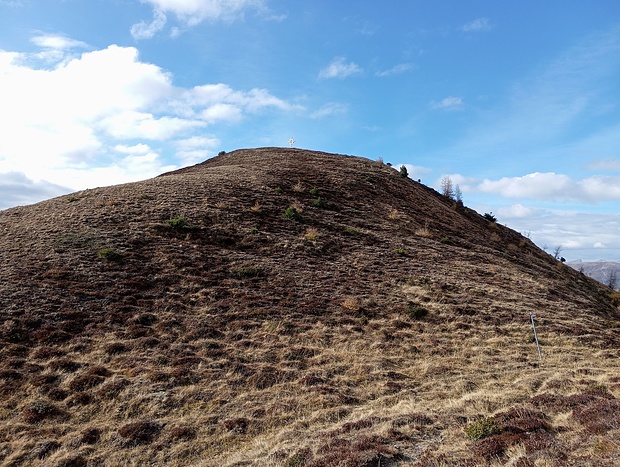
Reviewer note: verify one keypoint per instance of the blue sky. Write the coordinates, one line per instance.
(517, 101)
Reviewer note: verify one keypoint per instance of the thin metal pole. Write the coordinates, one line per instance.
(532, 316)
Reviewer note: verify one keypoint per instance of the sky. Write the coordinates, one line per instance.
(517, 101)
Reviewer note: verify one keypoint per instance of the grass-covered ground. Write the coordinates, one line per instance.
(294, 308)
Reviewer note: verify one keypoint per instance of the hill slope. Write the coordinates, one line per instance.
(288, 307)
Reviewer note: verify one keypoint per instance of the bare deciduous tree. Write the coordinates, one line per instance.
(458, 194)
(556, 251)
(447, 188)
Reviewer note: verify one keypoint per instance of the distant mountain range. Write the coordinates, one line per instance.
(602, 271)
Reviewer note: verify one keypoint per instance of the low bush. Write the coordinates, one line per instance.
(38, 410)
(236, 425)
(83, 382)
(312, 234)
(319, 203)
(351, 231)
(112, 388)
(481, 429)
(179, 223)
(415, 311)
(292, 214)
(109, 254)
(64, 364)
(248, 272)
(182, 433)
(299, 459)
(142, 432)
(115, 348)
(90, 435)
(73, 461)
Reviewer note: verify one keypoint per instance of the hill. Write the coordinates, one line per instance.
(296, 308)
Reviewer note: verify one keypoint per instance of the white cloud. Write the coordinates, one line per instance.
(140, 125)
(479, 24)
(144, 30)
(17, 189)
(331, 108)
(395, 70)
(221, 112)
(89, 118)
(220, 99)
(57, 41)
(582, 235)
(193, 12)
(339, 68)
(448, 103)
(196, 148)
(517, 211)
(555, 187)
(135, 149)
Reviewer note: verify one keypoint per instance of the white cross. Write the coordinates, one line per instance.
(291, 141)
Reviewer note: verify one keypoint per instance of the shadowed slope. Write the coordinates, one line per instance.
(289, 307)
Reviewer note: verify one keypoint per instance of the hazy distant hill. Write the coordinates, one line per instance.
(295, 308)
(602, 271)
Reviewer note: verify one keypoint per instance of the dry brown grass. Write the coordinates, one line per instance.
(237, 341)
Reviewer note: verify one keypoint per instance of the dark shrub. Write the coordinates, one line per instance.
(64, 364)
(319, 203)
(299, 459)
(179, 223)
(182, 433)
(599, 416)
(145, 319)
(38, 410)
(112, 388)
(490, 448)
(83, 382)
(415, 311)
(292, 214)
(57, 394)
(109, 254)
(142, 432)
(79, 398)
(116, 348)
(90, 435)
(236, 425)
(10, 375)
(74, 461)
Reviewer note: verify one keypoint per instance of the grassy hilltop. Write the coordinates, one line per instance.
(295, 308)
